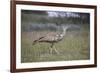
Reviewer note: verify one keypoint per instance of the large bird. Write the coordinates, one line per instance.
(52, 38)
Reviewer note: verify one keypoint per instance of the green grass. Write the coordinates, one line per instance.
(75, 46)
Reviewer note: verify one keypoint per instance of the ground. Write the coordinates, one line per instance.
(74, 46)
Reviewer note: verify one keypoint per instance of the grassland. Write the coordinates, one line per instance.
(75, 46)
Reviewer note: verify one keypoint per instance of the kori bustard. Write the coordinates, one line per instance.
(52, 38)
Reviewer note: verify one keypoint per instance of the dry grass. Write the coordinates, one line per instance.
(75, 46)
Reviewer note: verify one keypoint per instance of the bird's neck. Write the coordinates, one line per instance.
(64, 32)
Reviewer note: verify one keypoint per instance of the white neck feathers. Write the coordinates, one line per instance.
(64, 30)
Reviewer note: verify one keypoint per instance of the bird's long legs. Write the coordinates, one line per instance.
(56, 51)
(51, 49)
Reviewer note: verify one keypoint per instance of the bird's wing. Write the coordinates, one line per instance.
(49, 37)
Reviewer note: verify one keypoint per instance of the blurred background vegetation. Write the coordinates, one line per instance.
(75, 45)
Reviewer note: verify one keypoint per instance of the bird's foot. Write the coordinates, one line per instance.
(54, 50)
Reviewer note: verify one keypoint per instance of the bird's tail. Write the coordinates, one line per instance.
(35, 41)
